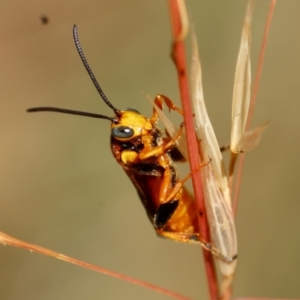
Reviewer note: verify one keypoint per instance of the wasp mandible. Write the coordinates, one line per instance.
(146, 156)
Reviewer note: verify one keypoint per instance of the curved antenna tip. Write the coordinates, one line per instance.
(90, 72)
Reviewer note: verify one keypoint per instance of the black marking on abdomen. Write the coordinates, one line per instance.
(148, 169)
(164, 213)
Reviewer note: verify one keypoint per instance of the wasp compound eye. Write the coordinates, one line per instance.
(122, 132)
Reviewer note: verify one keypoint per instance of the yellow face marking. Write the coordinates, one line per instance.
(128, 157)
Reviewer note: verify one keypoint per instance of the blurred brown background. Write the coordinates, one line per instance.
(62, 189)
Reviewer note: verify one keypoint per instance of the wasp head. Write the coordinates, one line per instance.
(130, 124)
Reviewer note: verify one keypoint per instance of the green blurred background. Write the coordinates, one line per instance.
(62, 189)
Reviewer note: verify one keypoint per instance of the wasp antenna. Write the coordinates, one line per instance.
(90, 72)
(72, 112)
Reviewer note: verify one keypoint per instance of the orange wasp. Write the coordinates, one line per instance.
(146, 157)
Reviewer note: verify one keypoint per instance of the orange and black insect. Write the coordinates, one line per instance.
(146, 157)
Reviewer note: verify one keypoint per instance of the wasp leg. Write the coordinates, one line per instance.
(180, 183)
(150, 152)
(176, 205)
(175, 153)
(159, 99)
(169, 103)
(196, 238)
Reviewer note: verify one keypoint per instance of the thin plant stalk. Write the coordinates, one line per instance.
(252, 102)
(177, 13)
(8, 240)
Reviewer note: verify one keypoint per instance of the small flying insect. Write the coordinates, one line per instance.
(146, 157)
(44, 19)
